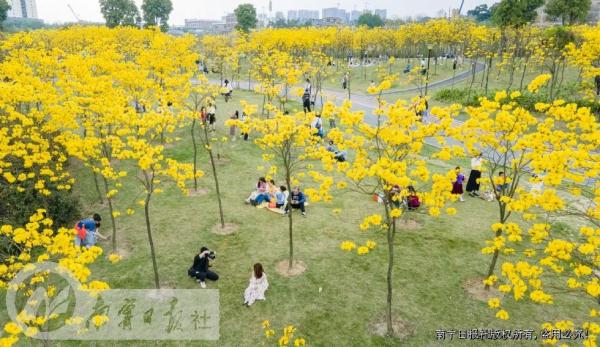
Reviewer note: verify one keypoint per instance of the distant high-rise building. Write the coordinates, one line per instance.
(22, 9)
(354, 15)
(292, 15)
(306, 15)
(382, 13)
(334, 12)
(279, 15)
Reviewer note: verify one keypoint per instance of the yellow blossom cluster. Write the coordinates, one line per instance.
(287, 337)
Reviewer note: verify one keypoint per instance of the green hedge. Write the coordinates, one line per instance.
(527, 100)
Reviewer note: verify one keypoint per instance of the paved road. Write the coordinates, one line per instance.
(479, 67)
(368, 103)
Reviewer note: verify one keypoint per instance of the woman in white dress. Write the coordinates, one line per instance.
(257, 286)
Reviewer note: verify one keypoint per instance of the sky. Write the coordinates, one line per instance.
(57, 11)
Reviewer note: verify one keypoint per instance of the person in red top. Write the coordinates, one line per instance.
(203, 114)
(413, 199)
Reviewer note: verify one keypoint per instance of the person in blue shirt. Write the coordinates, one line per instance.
(298, 200)
(282, 197)
(91, 227)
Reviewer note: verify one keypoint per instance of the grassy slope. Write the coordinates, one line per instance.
(432, 263)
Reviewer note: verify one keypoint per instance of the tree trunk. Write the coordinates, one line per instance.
(523, 74)
(195, 155)
(487, 78)
(112, 218)
(150, 241)
(390, 240)
(216, 178)
(493, 264)
(349, 79)
(492, 267)
(98, 187)
(288, 181)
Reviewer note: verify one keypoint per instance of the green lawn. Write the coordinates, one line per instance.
(432, 263)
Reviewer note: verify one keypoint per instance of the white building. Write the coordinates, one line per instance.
(22, 9)
(199, 24)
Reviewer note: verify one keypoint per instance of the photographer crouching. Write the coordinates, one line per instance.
(199, 269)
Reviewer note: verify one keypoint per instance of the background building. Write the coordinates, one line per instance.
(354, 15)
(307, 15)
(199, 24)
(292, 15)
(381, 13)
(334, 12)
(22, 9)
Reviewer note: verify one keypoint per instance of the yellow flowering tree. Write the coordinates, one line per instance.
(289, 142)
(154, 167)
(555, 260)
(511, 140)
(388, 157)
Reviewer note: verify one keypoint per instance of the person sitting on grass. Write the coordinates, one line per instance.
(338, 155)
(395, 196)
(261, 193)
(257, 286)
(298, 200)
(199, 269)
(87, 230)
(281, 197)
(272, 190)
(412, 201)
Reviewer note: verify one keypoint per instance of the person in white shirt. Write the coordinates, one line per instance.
(257, 286)
(212, 117)
(475, 175)
(537, 184)
(308, 87)
(317, 123)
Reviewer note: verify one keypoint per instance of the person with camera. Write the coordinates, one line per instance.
(199, 269)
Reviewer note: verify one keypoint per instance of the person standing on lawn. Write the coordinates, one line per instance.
(457, 186)
(474, 175)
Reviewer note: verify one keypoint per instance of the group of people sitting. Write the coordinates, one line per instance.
(277, 197)
(200, 271)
